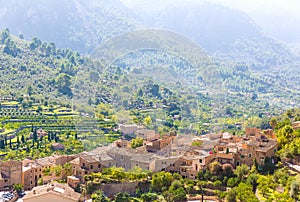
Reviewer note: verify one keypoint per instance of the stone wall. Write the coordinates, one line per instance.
(112, 189)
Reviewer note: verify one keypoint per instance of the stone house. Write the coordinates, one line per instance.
(147, 134)
(128, 129)
(85, 164)
(31, 173)
(57, 146)
(73, 181)
(10, 173)
(52, 192)
(255, 146)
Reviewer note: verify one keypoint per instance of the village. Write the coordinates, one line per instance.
(185, 155)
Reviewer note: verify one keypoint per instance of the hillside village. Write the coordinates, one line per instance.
(186, 155)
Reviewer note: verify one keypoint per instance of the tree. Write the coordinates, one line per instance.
(273, 123)
(34, 135)
(215, 168)
(161, 181)
(265, 183)
(149, 197)
(67, 168)
(122, 197)
(175, 192)
(179, 194)
(285, 135)
(147, 121)
(18, 142)
(4, 35)
(137, 142)
(294, 191)
(23, 139)
(242, 172)
(39, 109)
(18, 187)
(227, 170)
(232, 182)
(252, 180)
(40, 181)
(64, 85)
(29, 90)
(36, 42)
(99, 196)
(231, 195)
(56, 170)
(244, 193)
(140, 93)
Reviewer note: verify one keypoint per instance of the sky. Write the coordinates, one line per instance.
(278, 18)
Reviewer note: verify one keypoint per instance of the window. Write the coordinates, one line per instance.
(40, 176)
(122, 157)
(242, 156)
(200, 160)
(91, 166)
(99, 165)
(275, 150)
(250, 155)
(86, 172)
(30, 182)
(237, 163)
(83, 164)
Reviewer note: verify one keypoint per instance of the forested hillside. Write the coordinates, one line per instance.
(159, 90)
(79, 25)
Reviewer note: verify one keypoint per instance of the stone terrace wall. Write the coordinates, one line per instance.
(129, 187)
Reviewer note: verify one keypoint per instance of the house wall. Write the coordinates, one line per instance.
(168, 164)
(143, 165)
(13, 170)
(31, 176)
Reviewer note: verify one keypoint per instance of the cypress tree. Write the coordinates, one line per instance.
(18, 142)
(34, 135)
(23, 139)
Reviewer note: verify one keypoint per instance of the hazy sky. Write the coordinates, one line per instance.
(280, 18)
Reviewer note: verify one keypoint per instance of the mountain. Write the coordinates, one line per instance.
(212, 26)
(75, 24)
